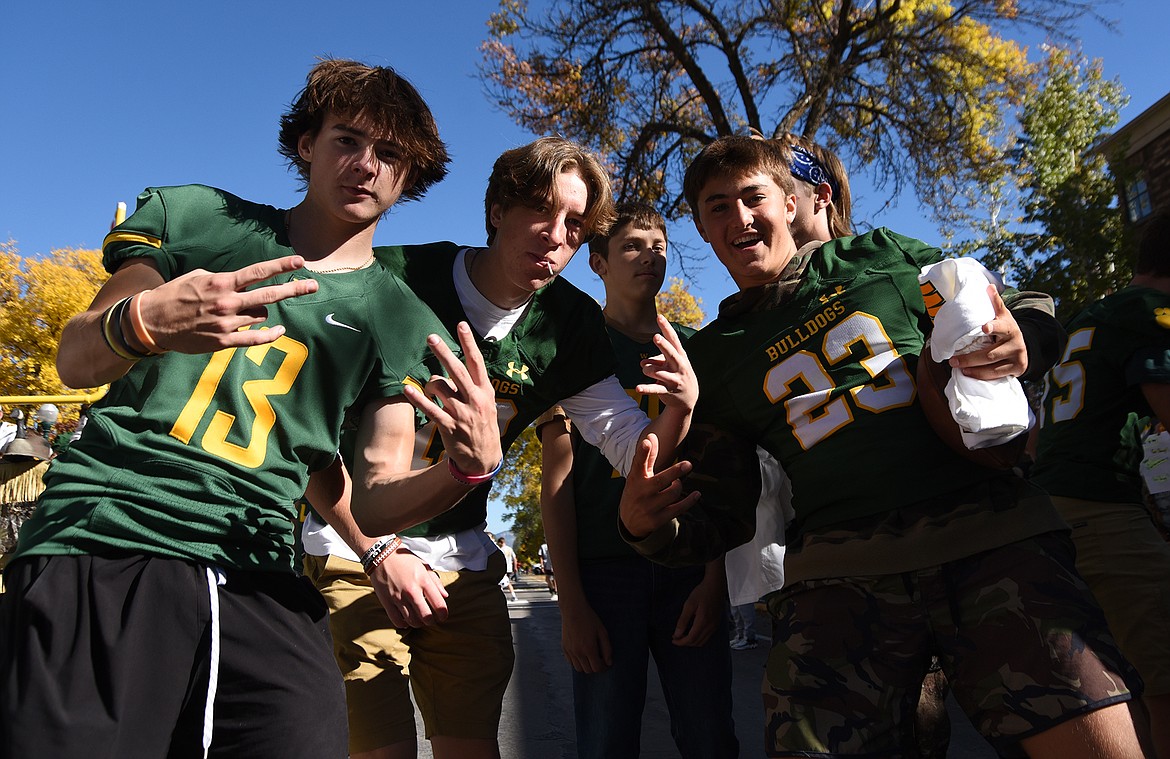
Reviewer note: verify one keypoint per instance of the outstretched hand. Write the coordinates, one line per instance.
(462, 405)
(674, 380)
(651, 500)
(202, 311)
(1005, 356)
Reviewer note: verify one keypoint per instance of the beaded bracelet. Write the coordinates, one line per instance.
(113, 335)
(139, 326)
(382, 555)
(471, 479)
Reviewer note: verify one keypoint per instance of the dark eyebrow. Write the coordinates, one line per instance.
(358, 132)
(724, 196)
(340, 127)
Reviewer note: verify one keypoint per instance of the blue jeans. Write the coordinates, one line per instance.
(639, 603)
(743, 619)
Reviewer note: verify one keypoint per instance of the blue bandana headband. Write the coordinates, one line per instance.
(808, 169)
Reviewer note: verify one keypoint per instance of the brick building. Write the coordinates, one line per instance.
(1144, 145)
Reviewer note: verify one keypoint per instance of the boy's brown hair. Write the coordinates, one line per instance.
(637, 215)
(391, 104)
(527, 176)
(840, 216)
(738, 155)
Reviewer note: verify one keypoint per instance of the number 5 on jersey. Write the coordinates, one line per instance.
(1069, 375)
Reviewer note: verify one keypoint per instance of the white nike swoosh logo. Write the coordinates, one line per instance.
(333, 322)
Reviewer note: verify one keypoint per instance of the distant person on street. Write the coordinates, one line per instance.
(743, 619)
(546, 569)
(510, 568)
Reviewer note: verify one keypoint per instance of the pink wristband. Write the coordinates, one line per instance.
(471, 479)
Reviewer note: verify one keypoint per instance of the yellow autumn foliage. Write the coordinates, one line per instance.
(677, 304)
(922, 93)
(38, 296)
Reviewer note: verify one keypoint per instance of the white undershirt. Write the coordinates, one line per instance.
(486, 317)
(605, 414)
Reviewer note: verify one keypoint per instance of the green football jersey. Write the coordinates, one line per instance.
(558, 348)
(201, 457)
(1094, 412)
(824, 380)
(597, 486)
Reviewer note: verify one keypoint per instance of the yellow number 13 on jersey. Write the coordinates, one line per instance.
(257, 391)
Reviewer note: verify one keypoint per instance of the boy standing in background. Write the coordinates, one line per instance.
(618, 608)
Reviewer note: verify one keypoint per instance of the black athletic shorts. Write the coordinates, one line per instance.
(112, 656)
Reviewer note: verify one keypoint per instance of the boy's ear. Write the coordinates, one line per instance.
(822, 196)
(305, 146)
(598, 264)
(790, 208)
(699, 227)
(496, 215)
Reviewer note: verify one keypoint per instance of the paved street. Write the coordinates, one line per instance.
(538, 718)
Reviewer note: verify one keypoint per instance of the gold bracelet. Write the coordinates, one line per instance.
(112, 333)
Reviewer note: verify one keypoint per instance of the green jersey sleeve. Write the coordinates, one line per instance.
(195, 227)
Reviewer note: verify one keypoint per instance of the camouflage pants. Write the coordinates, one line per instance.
(1020, 639)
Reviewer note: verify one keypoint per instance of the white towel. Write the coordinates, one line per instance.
(988, 412)
(756, 568)
(958, 323)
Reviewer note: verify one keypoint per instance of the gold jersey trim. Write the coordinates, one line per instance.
(137, 237)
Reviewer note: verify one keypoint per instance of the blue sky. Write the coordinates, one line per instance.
(103, 99)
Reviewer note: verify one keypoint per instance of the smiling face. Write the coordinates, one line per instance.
(355, 173)
(746, 218)
(532, 245)
(635, 262)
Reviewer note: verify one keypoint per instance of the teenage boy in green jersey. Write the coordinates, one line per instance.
(824, 211)
(153, 609)
(433, 603)
(1114, 375)
(618, 608)
(900, 548)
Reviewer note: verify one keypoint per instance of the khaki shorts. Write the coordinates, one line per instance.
(1122, 556)
(458, 670)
